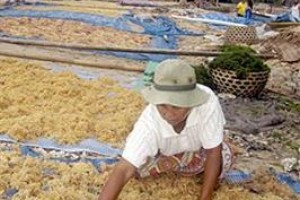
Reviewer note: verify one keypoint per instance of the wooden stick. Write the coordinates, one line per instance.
(71, 61)
(116, 49)
(168, 5)
(282, 24)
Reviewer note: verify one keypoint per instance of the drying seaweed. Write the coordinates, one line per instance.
(203, 76)
(38, 103)
(239, 59)
(30, 178)
(236, 48)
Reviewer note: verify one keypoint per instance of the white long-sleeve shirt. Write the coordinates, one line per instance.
(152, 134)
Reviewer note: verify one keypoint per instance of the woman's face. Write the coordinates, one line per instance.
(173, 114)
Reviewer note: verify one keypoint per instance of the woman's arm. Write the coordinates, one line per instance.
(120, 175)
(212, 170)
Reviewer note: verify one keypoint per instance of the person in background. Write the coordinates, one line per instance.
(180, 131)
(249, 10)
(295, 10)
(241, 8)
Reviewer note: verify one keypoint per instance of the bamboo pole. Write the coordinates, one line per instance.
(71, 61)
(169, 5)
(276, 25)
(116, 49)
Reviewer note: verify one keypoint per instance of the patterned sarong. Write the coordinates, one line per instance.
(188, 163)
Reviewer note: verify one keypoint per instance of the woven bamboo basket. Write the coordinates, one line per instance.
(227, 82)
(239, 34)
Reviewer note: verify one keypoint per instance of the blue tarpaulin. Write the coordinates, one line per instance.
(102, 153)
(254, 21)
(286, 17)
(163, 30)
(110, 155)
(285, 178)
(96, 20)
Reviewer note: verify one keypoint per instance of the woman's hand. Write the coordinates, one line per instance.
(212, 170)
(120, 175)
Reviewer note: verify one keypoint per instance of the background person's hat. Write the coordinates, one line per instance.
(174, 83)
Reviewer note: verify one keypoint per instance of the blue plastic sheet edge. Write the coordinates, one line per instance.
(285, 178)
(254, 21)
(105, 154)
(112, 156)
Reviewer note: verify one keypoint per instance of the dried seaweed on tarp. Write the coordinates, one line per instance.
(28, 178)
(35, 102)
(82, 9)
(67, 31)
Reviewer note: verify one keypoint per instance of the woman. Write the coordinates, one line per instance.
(180, 131)
(249, 11)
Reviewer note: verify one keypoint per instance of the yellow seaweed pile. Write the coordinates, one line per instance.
(35, 102)
(88, 4)
(106, 11)
(40, 179)
(71, 32)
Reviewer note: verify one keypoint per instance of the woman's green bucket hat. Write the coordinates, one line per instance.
(174, 83)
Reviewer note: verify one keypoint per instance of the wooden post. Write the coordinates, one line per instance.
(71, 61)
(115, 49)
